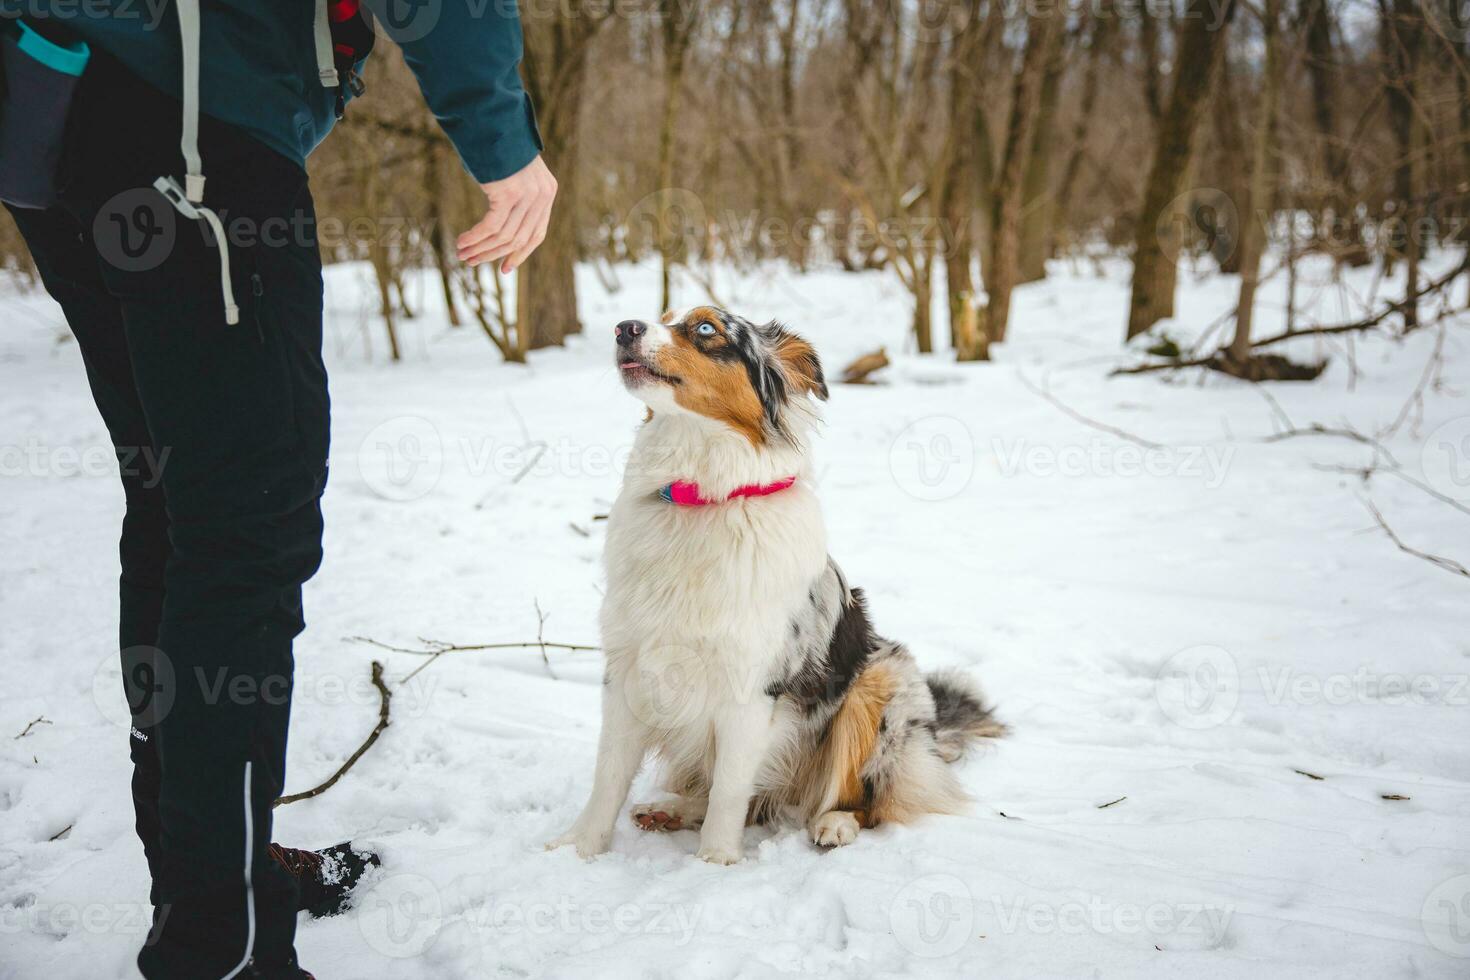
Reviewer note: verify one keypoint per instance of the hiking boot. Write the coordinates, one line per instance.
(325, 878)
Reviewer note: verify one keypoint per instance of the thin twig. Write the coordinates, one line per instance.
(1448, 564)
(1366, 473)
(1340, 432)
(1101, 426)
(541, 637)
(1372, 321)
(1104, 806)
(385, 696)
(38, 720)
(438, 646)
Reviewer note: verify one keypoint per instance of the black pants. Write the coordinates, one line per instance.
(221, 433)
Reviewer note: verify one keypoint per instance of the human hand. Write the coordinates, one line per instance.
(515, 222)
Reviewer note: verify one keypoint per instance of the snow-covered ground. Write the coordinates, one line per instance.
(1180, 623)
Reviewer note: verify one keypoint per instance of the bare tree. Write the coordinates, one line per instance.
(1256, 209)
(1002, 268)
(1201, 48)
(557, 43)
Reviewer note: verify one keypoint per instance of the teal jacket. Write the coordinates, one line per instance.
(258, 66)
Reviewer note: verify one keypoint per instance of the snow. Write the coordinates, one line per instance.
(1177, 635)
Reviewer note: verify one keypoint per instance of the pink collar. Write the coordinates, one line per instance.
(687, 494)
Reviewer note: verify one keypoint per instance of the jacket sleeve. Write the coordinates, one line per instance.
(464, 54)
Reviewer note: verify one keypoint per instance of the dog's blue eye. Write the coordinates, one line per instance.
(705, 329)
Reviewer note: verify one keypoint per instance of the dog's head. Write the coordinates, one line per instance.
(753, 378)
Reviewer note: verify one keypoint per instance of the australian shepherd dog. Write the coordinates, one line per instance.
(737, 652)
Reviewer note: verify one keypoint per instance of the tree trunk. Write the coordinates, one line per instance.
(924, 299)
(1003, 267)
(1236, 172)
(1099, 37)
(1201, 47)
(438, 234)
(1258, 197)
(1338, 217)
(1403, 40)
(554, 70)
(677, 28)
(957, 200)
(1038, 207)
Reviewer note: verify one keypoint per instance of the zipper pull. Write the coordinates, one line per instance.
(257, 290)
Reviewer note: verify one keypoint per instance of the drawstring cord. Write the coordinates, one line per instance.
(170, 189)
(188, 200)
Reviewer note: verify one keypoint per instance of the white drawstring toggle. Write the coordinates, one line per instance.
(170, 189)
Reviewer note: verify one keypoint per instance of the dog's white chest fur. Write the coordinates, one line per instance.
(701, 597)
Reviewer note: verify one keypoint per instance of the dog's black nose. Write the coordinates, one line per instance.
(629, 331)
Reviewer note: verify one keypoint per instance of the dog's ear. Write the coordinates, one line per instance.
(799, 362)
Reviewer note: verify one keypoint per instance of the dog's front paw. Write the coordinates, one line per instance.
(588, 845)
(719, 854)
(834, 828)
(672, 814)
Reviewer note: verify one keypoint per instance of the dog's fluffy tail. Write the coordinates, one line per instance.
(961, 714)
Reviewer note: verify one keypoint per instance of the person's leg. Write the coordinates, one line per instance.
(68, 267)
(241, 411)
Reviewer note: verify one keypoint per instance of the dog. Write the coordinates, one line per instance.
(736, 650)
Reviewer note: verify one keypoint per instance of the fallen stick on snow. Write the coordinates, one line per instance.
(1448, 564)
(385, 696)
(39, 720)
(437, 648)
(857, 372)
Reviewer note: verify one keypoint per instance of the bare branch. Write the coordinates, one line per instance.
(384, 699)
